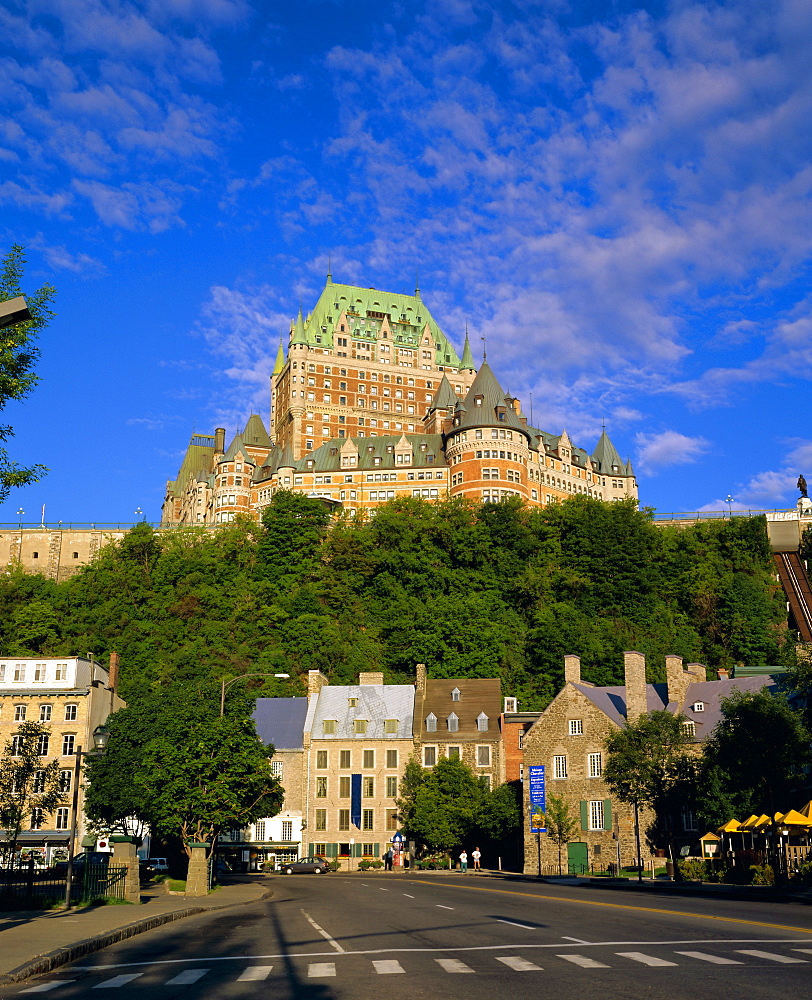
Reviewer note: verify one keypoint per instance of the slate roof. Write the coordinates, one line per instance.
(255, 435)
(280, 722)
(470, 414)
(374, 702)
(481, 694)
(444, 397)
(327, 458)
(196, 462)
(605, 456)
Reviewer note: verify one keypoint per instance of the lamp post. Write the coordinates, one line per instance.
(224, 685)
(20, 513)
(138, 514)
(101, 735)
(729, 501)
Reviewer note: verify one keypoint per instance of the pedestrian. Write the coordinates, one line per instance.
(387, 860)
(463, 862)
(476, 856)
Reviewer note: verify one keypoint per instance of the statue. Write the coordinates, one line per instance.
(802, 485)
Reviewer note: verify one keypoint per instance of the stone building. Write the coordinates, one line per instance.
(568, 740)
(372, 402)
(71, 695)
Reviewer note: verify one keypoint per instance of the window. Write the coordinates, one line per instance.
(277, 769)
(596, 814)
(391, 819)
(321, 819)
(42, 745)
(259, 830)
(455, 694)
(321, 760)
(70, 713)
(482, 722)
(287, 830)
(39, 782)
(368, 850)
(689, 728)
(368, 819)
(45, 713)
(453, 753)
(368, 787)
(37, 819)
(698, 706)
(483, 756)
(345, 758)
(352, 702)
(576, 727)
(595, 765)
(369, 759)
(390, 726)
(344, 786)
(39, 671)
(62, 817)
(329, 727)
(391, 787)
(68, 744)
(343, 819)
(61, 672)
(320, 849)
(391, 758)
(321, 788)
(429, 756)
(689, 821)
(560, 766)
(359, 727)
(431, 723)
(19, 713)
(19, 671)
(16, 745)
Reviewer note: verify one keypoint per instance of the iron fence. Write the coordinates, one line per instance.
(27, 887)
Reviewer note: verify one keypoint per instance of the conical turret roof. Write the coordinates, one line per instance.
(299, 336)
(467, 363)
(255, 434)
(444, 397)
(485, 402)
(605, 456)
(279, 364)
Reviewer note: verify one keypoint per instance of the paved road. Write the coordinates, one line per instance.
(326, 937)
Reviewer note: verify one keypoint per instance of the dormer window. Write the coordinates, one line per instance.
(453, 723)
(431, 723)
(455, 694)
(352, 702)
(482, 722)
(359, 727)
(698, 706)
(390, 725)
(328, 727)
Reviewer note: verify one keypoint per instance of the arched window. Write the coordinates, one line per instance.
(431, 723)
(482, 722)
(453, 723)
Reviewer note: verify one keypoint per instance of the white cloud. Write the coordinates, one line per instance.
(658, 451)
(777, 487)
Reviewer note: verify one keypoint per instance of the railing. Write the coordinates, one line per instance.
(28, 887)
(723, 515)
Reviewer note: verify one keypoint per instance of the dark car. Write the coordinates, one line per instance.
(313, 865)
(93, 858)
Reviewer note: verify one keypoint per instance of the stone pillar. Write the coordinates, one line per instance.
(572, 669)
(635, 670)
(197, 878)
(675, 679)
(124, 853)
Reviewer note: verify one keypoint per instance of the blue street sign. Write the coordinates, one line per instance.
(538, 798)
(397, 838)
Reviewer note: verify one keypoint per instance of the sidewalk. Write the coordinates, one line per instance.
(34, 942)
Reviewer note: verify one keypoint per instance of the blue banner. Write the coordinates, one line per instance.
(538, 799)
(355, 800)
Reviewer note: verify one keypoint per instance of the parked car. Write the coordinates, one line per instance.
(101, 858)
(158, 864)
(315, 865)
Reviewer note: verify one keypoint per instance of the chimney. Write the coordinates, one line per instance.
(572, 669)
(315, 682)
(723, 674)
(635, 676)
(373, 677)
(113, 680)
(675, 679)
(420, 678)
(219, 440)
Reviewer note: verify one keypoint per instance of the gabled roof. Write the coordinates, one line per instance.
(476, 695)
(280, 722)
(605, 456)
(374, 703)
(486, 387)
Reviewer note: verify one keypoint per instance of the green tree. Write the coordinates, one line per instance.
(561, 824)
(18, 355)
(645, 761)
(30, 786)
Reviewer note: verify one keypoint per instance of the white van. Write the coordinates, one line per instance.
(158, 864)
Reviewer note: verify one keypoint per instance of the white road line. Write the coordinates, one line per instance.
(804, 951)
(318, 969)
(382, 889)
(47, 987)
(638, 956)
(255, 974)
(771, 957)
(321, 931)
(566, 937)
(441, 907)
(518, 964)
(406, 894)
(116, 981)
(452, 965)
(513, 923)
(704, 957)
(583, 961)
(388, 968)
(187, 977)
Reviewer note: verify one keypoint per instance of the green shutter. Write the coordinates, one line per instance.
(356, 850)
(331, 850)
(584, 814)
(607, 814)
(376, 850)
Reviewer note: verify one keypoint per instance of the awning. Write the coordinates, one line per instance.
(41, 837)
(732, 826)
(794, 818)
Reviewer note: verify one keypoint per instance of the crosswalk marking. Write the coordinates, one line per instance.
(47, 987)
(116, 981)
(519, 964)
(638, 956)
(804, 951)
(406, 894)
(714, 959)
(317, 969)
(583, 961)
(771, 957)
(452, 965)
(441, 907)
(187, 977)
(255, 974)
(388, 967)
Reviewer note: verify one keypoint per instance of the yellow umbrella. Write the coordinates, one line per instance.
(794, 818)
(732, 826)
(806, 810)
(750, 822)
(762, 822)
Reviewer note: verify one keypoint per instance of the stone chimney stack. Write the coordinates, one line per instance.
(315, 682)
(420, 678)
(113, 681)
(675, 679)
(572, 669)
(219, 440)
(635, 671)
(371, 677)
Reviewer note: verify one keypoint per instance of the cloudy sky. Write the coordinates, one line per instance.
(616, 195)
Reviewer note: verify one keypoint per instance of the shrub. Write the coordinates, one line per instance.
(368, 863)
(762, 874)
(693, 869)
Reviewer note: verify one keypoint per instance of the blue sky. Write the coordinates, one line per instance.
(616, 195)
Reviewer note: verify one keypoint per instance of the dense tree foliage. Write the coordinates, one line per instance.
(469, 589)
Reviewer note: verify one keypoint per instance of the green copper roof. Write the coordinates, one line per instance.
(491, 396)
(197, 460)
(234, 449)
(279, 364)
(467, 363)
(605, 456)
(444, 397)
(255, 435)
(427, 451)
(365, 308)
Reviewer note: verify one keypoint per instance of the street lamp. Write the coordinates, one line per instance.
(14, 311)
(20, 513)
(138, 513)
(101, 736)
(224, 685)
(729, 500)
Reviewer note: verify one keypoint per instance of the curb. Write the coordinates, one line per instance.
(53, 959)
